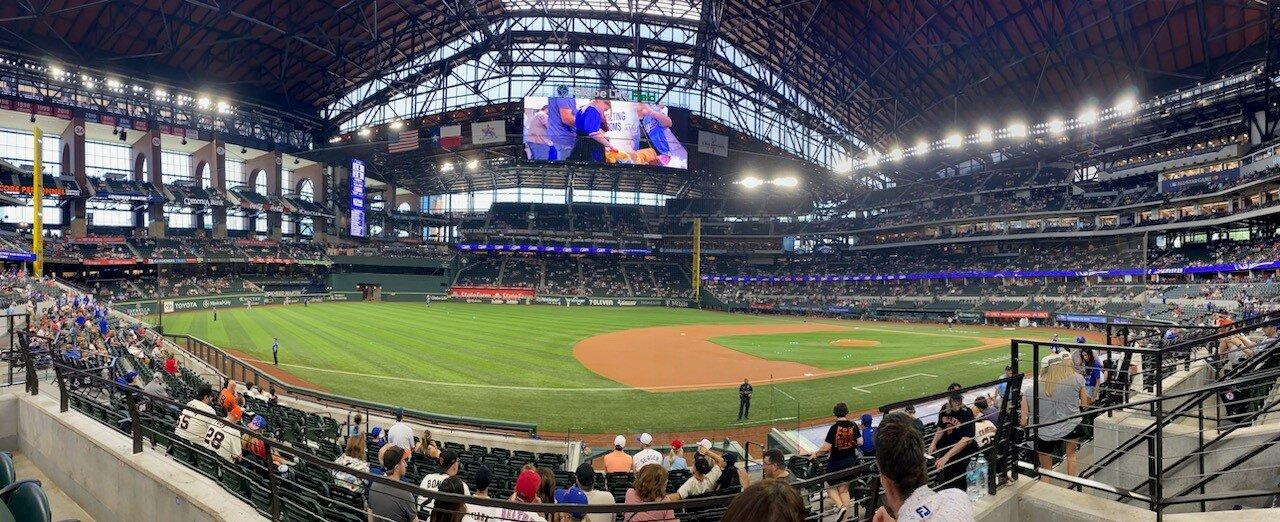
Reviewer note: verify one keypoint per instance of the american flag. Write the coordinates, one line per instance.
(407, 141)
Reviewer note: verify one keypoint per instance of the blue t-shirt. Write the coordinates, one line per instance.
(868, 440)
(589, 120)
(560, 133)
(1093, 374)
(657, 134)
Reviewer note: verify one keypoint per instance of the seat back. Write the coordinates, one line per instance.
(28, 503)
(8, 472)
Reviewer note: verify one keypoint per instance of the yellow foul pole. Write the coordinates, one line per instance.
(697, 258)
(37, 202)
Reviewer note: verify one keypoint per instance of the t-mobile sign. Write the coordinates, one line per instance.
(357, 198)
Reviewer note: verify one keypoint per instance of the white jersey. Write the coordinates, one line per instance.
(644, 457)
(497, 514)
(948, 505)
(192, 426)
(223, 440)
(432, 482)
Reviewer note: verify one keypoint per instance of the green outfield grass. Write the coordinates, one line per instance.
(815, 348)
(516, 362)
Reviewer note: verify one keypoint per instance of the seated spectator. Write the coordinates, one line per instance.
(953, 441)
(584, 480)
(449, 468)
(427, 447)
(227, 397)
(774, 466)
(571, 495)
(904, 475)
(356, 428)
(770, 499)
(649, 486)
(707, 467)
(483, 478)
(353, 457)
(646, 455)
(449, 511)
(193, 426)
(526, 491)
(674, 460)
(618, 461)
(386, 503)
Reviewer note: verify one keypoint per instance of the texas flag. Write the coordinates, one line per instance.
(448, 136)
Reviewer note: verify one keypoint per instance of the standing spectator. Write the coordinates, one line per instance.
(649, 486)
(675, 458)
(774, 466)
(646, 455)
(388, 503)
(400, 433)
(955, 440)
(769, 499)
(617, 460)
(227, 397)
(904, 475)
(744, 400)
(1062, 394)
(841, 443)
(353, 457)
(1091, 367)
(449, 468)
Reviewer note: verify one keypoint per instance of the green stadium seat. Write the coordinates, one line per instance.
(8, 472)
(5, 515)
(26, 501)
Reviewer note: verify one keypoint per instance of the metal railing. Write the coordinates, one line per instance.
(235, 368)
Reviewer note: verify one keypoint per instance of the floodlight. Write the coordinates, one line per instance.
(896, 154)
(1127, 105)
(446, 167)
(473, 164)
(56, 71)
(872, 160)
(363, 132)
(751, 182)
(204, 103)
(922, 146)
(397, 125)
(986, 136)
(113, 84)
(842, 166)
(1056, 126)
(1016, 130)
(1089, 116)
(789, 181)
(954, 140)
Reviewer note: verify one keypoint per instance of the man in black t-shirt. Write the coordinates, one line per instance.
(843, 439)
(744, 400)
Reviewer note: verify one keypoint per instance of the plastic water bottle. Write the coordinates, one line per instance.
(971, 476)
(982, 476)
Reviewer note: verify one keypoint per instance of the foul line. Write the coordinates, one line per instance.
(895, 379)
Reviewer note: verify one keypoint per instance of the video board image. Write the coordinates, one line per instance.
(597, 130)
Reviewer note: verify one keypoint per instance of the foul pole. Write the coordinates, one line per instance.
(37, 211)
(697, 261)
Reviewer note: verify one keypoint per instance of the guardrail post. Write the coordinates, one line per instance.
(274, 481)
(62, 388)
(135, 420)
(1157, 480)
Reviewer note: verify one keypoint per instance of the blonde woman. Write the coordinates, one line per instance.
(354, 458)
(1062, 394)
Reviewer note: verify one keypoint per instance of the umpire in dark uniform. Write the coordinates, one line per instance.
(744, 400)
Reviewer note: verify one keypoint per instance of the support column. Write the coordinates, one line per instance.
(147, 151)
(270, 165)
(72, 158)
(316, 174)
(211, 161)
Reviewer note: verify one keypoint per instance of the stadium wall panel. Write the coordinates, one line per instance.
(97, 468)
(346, 282)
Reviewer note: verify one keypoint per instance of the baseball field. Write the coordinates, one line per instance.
(603, 369)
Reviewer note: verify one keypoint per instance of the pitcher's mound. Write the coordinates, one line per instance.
(854, 343)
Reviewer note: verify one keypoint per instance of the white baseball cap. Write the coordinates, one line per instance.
(619, 441)
(704, 444)
(646, 439)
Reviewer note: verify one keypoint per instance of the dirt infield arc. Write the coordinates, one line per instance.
(682, 358)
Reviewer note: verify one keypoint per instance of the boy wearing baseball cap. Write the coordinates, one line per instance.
(646, 455)
(707, 466)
